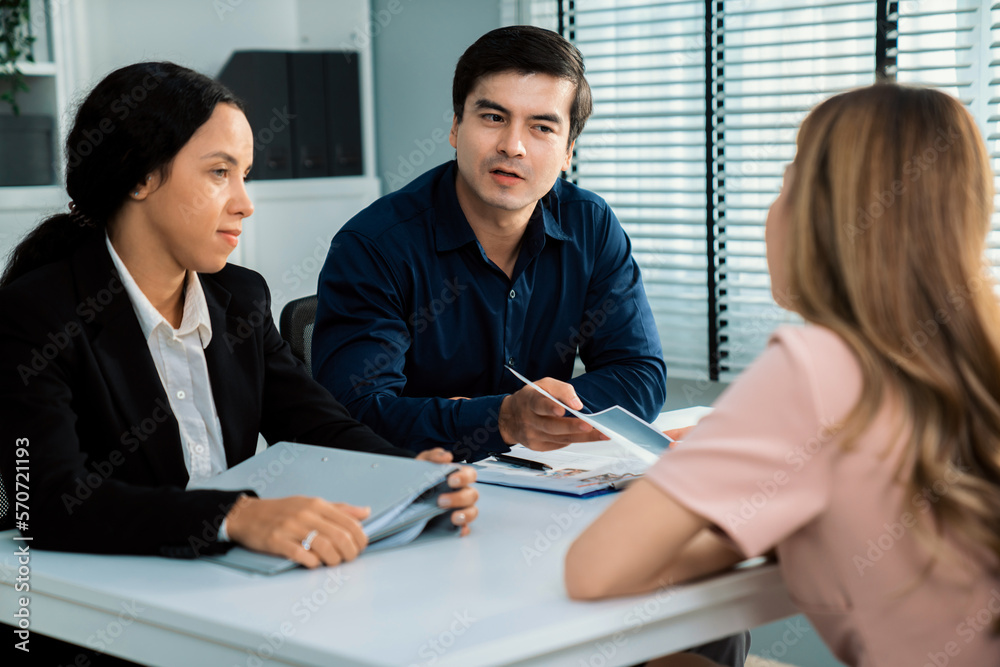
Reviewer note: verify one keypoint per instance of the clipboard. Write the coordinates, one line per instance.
(401, 492)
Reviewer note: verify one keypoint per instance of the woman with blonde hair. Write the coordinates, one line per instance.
(863, 447)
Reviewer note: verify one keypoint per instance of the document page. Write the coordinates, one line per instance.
(638, 438)
(570, 473)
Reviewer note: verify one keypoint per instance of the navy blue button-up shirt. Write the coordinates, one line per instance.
(412, 312)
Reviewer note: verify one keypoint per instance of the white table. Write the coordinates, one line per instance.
(495, 597)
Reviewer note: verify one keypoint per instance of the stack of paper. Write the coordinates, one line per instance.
(569, 473)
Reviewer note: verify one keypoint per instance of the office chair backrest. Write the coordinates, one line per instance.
(296, 324)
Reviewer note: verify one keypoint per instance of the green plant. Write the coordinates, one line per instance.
(15, 45)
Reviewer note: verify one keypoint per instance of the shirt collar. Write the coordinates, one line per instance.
(194, 318)
(549, 203)
(451, 227)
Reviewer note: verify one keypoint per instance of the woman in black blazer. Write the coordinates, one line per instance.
(156, 165)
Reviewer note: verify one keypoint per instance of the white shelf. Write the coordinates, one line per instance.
(37, 69)
(31, 197)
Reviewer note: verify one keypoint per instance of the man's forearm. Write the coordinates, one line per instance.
(469, 428)
(637, 385)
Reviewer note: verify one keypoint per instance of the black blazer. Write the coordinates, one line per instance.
(88, 437)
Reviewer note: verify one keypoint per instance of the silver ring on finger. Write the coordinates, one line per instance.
(307, 543)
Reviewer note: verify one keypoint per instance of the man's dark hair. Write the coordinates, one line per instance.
(527, 50)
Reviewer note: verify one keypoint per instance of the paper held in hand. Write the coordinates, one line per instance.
(583, 469)
(637, 438)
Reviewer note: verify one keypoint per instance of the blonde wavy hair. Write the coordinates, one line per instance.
(889, 209)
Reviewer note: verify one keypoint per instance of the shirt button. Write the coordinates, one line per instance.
(181, 395)
(510, 361)
(513, 294)
(199, 449)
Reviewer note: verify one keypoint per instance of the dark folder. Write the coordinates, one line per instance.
(260, 78)
(304, 109)
(343, 104)
(308, 104)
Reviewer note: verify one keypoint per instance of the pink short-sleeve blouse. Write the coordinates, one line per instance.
(767, 468)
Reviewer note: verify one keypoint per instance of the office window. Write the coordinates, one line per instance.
(951, 44)
(777, 60)
(696, 106)
(644, 151)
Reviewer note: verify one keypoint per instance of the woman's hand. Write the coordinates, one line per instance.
(436, 455)
(464, 497)
(678, 434)
(287, 526)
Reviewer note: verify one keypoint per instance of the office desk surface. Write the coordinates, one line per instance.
(495, 597)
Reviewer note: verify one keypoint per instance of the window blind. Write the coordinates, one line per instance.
(951, 44)
(991, 120)
(644, 152)
(779, 59)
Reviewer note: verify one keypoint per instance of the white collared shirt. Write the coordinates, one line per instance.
(179, 357)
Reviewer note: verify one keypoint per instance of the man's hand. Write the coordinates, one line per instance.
(464, 497)
(529, 418)
(279, 527)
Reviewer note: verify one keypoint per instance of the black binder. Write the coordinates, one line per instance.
(304, 109)
(343, 101)
(260, 79)
(309, 126)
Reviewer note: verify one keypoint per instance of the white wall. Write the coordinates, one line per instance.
(201, 34)
(193, 33)
(416, 46)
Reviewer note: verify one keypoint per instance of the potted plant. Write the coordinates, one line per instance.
(25, 141)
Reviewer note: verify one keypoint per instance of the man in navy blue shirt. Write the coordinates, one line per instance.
(493, 260)
(486, 261)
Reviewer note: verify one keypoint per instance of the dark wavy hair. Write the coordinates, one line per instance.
(528, 50)
(131, 125)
